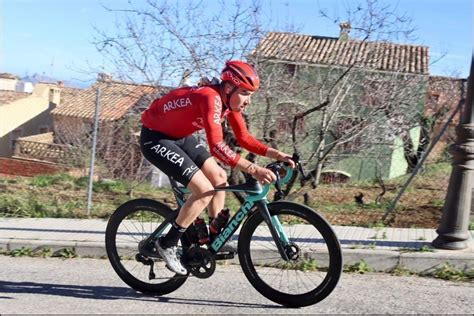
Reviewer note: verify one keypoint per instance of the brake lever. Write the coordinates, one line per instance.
(296, 159)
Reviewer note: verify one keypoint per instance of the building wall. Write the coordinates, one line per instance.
(444, 92)
(27, 116)
(67, 129)
(398, 163)
(8, 84)
(359, 157)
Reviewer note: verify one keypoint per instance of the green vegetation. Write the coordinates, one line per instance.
(67, 253)
(448, 271)
(400, 270)
(305, 265)
(360, 267)
(61, 195)
(424, 248)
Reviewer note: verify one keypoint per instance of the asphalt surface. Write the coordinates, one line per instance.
(90, 286)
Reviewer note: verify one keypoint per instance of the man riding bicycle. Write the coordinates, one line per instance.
(167, 142)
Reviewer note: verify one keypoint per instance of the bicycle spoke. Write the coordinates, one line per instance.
(303, 273)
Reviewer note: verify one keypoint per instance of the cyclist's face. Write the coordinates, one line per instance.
(240, 99)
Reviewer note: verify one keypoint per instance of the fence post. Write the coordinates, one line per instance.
(453, 233)
(94, 144)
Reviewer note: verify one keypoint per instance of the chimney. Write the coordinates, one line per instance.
(185, 78)
(103, 77)
(345, 30)
(60, 83)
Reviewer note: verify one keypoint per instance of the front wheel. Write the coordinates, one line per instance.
(315, 258)
(137, 264)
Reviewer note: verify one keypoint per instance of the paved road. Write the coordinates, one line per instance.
(88, 286)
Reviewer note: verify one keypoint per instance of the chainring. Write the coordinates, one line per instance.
(200, 262)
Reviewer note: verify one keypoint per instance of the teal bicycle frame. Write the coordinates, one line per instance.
(256, 195)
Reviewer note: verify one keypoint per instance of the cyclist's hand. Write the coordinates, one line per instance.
(263, 175)
(286, 158)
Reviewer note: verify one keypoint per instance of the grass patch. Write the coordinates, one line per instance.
(61, 195)
(448, 271)
(360, 267)
(43, 252)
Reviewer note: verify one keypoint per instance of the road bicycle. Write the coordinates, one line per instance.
(288, 251)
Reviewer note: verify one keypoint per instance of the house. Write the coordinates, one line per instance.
(119, 104)
(117, 99)
(24, 113)
(316, 60)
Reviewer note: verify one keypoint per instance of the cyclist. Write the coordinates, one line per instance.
(166, 141)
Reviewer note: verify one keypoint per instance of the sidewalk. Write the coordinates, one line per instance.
(382, 248)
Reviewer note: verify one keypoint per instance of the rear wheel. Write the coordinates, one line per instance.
(315, 264)
(136, 264)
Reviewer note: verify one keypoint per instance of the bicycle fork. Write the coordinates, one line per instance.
(276, 229)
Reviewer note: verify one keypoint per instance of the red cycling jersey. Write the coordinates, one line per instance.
(186, 110)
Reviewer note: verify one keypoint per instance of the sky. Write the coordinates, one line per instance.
(53, 37)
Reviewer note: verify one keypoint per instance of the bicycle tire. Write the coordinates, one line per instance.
(322, 259)
(121, 241)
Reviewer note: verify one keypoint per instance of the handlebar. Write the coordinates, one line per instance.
(276, 167)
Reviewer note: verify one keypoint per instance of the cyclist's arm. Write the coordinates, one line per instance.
(212, 124)
(263, 175)
(243, 136)
(247, 141)
(210, 109)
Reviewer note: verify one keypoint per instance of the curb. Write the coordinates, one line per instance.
(378, 259)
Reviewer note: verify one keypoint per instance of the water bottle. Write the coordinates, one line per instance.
(219, 222)
(201, 230)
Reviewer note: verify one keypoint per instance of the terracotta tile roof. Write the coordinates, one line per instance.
(7, 96)
(331, 51)
(117, 98)
(68, 93)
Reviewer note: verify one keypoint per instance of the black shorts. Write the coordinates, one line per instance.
(177, 158)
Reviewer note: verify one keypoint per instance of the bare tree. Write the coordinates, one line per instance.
(158, 41)
(325, 113)
(332, 112)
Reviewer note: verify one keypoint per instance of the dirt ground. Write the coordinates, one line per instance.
(420, 207)
(425, 217)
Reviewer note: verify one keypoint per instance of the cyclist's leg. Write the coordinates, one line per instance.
(176, 159)
(218, 177)
(202, 192)
(167, 154)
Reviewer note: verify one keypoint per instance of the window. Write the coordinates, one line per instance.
(291, 69)
(374, 92)
(345, 128)
(14, 135)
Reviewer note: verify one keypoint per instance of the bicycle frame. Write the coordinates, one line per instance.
(256, 196)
